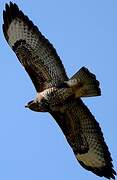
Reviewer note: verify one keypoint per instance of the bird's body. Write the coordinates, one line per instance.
(58, 94)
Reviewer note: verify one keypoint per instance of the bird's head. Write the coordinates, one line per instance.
(35, 106)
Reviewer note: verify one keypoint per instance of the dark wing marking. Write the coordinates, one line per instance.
(97, 158)
(71, 127)
(33, 50)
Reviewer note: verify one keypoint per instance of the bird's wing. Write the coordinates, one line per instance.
(33, 50)
(83, 131)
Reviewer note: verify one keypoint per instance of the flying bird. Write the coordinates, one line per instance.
(58, 94)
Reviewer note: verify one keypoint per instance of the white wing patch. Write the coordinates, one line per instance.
(91, 159)
(18, 30)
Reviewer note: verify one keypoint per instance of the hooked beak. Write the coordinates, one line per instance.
(26, 106)
(29, 103)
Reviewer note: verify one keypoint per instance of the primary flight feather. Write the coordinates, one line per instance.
(57, 94)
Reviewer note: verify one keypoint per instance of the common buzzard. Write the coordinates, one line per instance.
(57, 94)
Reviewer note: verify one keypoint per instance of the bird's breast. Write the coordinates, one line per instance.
(54, 95)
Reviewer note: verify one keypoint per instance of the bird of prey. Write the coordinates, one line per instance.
(58, 94)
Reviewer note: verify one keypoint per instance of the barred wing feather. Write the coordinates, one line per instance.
(33, 50)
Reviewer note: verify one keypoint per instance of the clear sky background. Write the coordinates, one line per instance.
(84, 32)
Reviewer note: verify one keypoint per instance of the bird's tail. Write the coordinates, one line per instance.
(84, 84)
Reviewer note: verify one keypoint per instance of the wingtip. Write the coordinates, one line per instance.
(4, 15)
(107, 171)
(10, 11)
(10, 4)
(6, 6)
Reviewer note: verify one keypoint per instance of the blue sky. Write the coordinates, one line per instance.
(32, 146)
